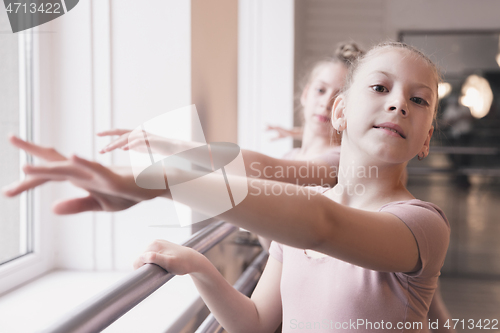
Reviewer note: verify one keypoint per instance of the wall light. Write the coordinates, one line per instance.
(477, 96)
(444, 89)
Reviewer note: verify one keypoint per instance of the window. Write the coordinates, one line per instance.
(15, 110)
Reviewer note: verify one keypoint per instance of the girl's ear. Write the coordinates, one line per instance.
(304, 95)
(338, 116)
(425, 148)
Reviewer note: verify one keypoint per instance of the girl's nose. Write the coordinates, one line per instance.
(326, 101)
(399, 106)
(403, 111)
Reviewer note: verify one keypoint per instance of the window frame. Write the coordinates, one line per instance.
(37, 260)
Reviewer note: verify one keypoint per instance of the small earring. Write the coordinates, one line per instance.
(338, 129)
(420, 157)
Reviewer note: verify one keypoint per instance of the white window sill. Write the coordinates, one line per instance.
(43, 301)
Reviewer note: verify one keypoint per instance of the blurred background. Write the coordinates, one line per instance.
(116, 64)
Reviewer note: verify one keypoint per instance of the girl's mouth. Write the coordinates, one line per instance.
(391, 131)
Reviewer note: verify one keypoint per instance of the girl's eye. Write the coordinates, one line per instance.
(419, 101)
(380, 88)
(321, 90)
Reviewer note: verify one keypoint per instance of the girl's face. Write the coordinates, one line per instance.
(317, 97)
(389, 108)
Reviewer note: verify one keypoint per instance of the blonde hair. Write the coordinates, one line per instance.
(345, 53)
(352, 70)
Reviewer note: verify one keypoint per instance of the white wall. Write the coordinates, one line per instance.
(151, 71)
(265, 73)
(441, 15)
(321, 24)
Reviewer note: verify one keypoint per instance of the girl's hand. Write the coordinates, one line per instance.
(120, 142)
(48, 154)
(134, 140)
(107, 190)
(294, 133)
(174, 258)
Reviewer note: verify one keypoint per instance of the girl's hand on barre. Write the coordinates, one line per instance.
(107, 190)
(295, 133)
(174, 258)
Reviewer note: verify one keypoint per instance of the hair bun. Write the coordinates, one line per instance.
(347, 52)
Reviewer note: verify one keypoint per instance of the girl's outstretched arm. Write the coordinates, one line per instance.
(303, 218)
(102, 184)
(234, 311)
(289, 214)
(294, 133)
(257, 165)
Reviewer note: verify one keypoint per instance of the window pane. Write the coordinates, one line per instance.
(12, 232)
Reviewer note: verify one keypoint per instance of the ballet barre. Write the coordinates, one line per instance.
(103, 309)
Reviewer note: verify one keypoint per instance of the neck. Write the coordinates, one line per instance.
(367, 184)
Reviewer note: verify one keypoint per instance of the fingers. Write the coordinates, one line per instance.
(148, 257)
(21, 186)
(118, 143)
(138, 262)
(91, 167)
(77, 205)
(174, 258)
(152, 253)
(135, 144)
(57, 171)
(75, 169)
(272, 127)
(114, 131)
(49, 154)
(162, 260)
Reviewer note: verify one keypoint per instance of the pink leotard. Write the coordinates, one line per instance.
(327, 294)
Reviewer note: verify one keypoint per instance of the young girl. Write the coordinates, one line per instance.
(382, 249)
